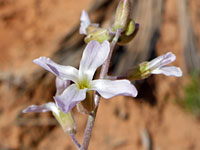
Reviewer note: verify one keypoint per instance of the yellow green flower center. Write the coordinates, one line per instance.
(84, 83)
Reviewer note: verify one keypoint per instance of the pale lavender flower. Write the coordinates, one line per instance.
(158, 65)
(61, 85)
(66, 120)
(93, 56)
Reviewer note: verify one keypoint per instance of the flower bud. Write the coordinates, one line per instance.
(140, 72)
(130, 28)
(66, 121)
(87, 105)
(129, 34)
(99, 35)
(91, 28)
(122, 15)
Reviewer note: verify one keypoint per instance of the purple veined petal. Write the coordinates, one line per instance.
(168, 71)
(85, 22)
(61, 85)
(94, 56)
(63, 72)
(70, 97)
(162, 60)
(108, 88)
(42, 108)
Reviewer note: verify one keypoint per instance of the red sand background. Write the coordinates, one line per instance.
(33, 28)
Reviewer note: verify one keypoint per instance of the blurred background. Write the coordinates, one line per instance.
(165, 114)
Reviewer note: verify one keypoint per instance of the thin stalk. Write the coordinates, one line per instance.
(92, 116)
(75, 141)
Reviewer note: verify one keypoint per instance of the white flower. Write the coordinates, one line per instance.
(65, 120)
(93, 56)
(61, 85)
(158, 65)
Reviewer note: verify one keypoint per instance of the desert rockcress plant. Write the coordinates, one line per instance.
(77, 87)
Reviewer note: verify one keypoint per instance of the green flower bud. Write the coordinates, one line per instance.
(91, 28)
(130, 28)
(87, 105)
(140, 72)
(122, 15)
(129, 34)
(66, 121)
(99, 35)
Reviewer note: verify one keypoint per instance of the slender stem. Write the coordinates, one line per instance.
(75, 141)
(92, 116)
(88, 131)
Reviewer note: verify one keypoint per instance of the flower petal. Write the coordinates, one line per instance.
(168, 71)
(70, 97)
(94, 56)
(61, 85)
(108, 88)
(162, 60)
(63, 72)
(42, 108)
(85, 22)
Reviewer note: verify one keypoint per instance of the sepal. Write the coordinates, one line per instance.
(67, 122)
(87, 105)
(129, 34)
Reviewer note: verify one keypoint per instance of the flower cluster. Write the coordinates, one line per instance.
(75, 86)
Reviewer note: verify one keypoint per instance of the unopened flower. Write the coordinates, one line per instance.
(122, 15)
(99, 35)
(156, 66)
(129, 34)
(92, 30)
(93, 56)
(65, 120)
